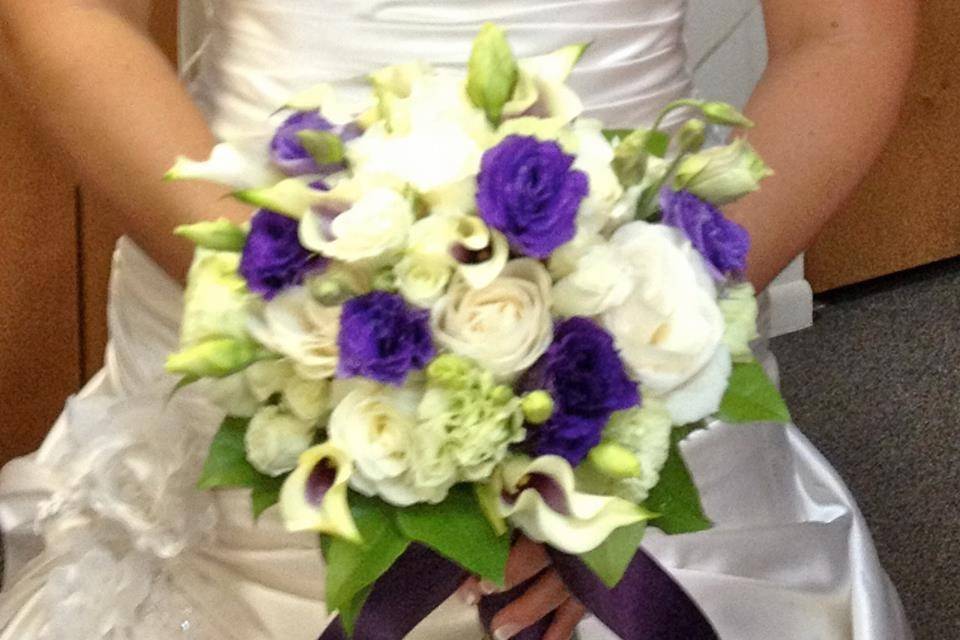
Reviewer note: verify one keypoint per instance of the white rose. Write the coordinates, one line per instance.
(275, 440)
(375, 224)
(297, 326)
(215, 301)
(422, 278)
(600, 282)
(670, 328)
(506, 326)
(375, 425)
(594, 156)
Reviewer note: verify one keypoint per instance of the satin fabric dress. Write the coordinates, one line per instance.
(105, 535)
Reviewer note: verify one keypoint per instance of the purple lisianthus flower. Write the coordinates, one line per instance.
(587, 381)
(289, 154)
(273, 258)
(527, 190)
(723, 243)
(383, 338)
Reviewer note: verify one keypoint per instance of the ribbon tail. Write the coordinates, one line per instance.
(417, 583)
(647, 604)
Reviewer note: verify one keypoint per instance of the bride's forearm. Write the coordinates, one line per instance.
(108, 98)
(824, 108)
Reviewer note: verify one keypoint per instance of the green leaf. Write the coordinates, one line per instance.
(656, 143)
(458, 529)
(219, 235)
(350, 612)
(616, 134)
(266, 495)
(752, 397)
(353, 568)
(323, 146)
(227, 467)
(676, 497)
(611, 559)
(492, 72)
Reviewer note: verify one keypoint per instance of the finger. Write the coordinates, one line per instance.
(568, 616)
(469, 591)
(546, 594)
(527, 559)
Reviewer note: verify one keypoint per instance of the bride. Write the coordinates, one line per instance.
(105, 535)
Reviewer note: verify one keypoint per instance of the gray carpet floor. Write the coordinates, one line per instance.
(875, 384)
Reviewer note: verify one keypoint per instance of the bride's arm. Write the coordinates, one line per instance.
(824, 108)
(104, 93)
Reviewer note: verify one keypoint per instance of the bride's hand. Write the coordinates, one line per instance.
(546, 595)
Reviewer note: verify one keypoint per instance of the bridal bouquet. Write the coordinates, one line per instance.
(462, 312)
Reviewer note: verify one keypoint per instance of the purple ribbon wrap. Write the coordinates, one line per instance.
(647, 604)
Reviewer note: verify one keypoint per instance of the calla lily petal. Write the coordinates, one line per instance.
(324, 98)
(480, 274)
(291, 197)
(242, 165)
(539, 497)
(314, 495)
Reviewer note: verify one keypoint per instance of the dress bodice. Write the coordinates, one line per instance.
(249, 55)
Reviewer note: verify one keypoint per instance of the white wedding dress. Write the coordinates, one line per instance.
(105, 535)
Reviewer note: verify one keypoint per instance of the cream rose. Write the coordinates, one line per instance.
(275, 439)
(295, 325)
(506, 326)
(670, 327)
(375, 426)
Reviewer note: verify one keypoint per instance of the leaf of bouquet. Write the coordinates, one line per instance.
(676, 498)
(227, 467)
(458, 529)
(752, 397)
(353, 568)
(611, 559)
(350, 612)
(492, 72)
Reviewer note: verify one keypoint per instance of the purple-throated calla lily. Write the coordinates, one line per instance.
(314, 496)
(539, 497)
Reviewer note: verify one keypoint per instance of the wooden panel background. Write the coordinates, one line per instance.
(907, 213)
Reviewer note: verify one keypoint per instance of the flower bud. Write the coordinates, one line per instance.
(722, 174)
(537, 407)
(692, 135)
(724, 114)
(614, 461)
(218, 235)
(449, 371)
(217, 358)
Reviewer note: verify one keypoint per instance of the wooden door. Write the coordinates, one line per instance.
(55, 247)
(907, 213)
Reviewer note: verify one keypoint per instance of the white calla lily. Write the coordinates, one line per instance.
(541, 86)
(325, 99)
(539, 497)
(241, 164)
(375, 224)
(314, 496)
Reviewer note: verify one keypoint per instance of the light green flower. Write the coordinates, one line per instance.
(738, 304)
(641, 432)
(314, 496)
(215, 302)
(466, 421)
(722, 174)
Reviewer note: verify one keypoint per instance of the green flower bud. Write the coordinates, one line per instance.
(537, 407)
(725, 114)
(217, 358)
(502, 394)
(218, 235)
(450, 371)
(722, 174)
(385, 280)
(615, 460)
(692, 135)
(292, 197)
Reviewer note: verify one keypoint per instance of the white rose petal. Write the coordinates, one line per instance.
(299, 327)
(506, 326)
(670, 326)
(422, 279)
(700, 396)
(600, 282)
(375, 425)
(274, 440)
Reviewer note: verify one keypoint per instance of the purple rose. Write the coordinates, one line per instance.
(383, 338)
(273, 258)
(723, 243)
(583, 373)
(527, 190)
(289, 154)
